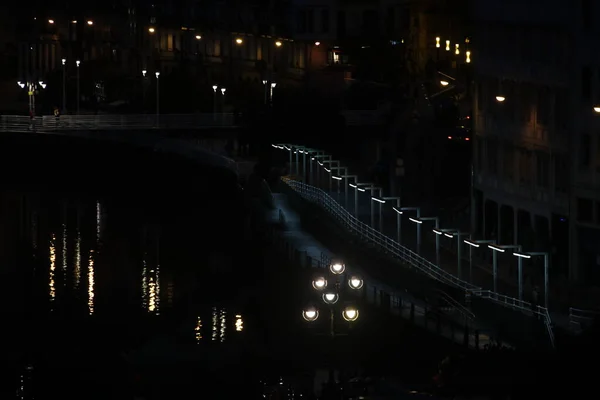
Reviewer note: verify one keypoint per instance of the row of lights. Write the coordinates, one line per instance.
(89, 22)
(456, 48)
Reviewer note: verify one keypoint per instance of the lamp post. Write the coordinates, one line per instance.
(323, 157)
(157, 74)
(273, 85)
(328, 170)
(78, 63)
(356, 190)
(401, 211)
(476, 244)
(339, 179)
(451, 233)
(64, 85)
(419, 222)
(265, 82)
(501, 249)
(223, 90)
(214, 88)
(397, 207)
(372, 188)
(546, 271)
(32, 87)
(348, 184)
(312, 154)
(328, 288)
(144, 82)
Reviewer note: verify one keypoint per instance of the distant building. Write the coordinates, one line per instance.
(536, 163)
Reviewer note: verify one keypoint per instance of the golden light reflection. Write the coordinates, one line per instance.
(239, 323)
(98, 220)
(77, 271)
(51, 283)
(198, 329)
(150, 287)
(91, 282)
(214, 324)
(64, 250)
(223, 321)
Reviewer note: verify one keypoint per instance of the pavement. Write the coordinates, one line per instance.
(285, 215)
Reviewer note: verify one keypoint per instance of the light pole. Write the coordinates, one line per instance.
(546, 271)
(32, 87)
(329, 287)
(223, 90)
(419, 222)
(328, 170)
(401, 211)
(214, 88)
(348, 184)
(323, 157)
(157, 74)
(78, 63)
(356, 190)
(397, 207)
(64, 85)
(476, 244)
(271, 92)
(501, 249)
(339, 179)
(372, 188)
(451, 233)
(144, 72)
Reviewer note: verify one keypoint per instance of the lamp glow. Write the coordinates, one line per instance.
(239, 41)
(320, 283)
(330, 297)
(337, 268)
(437, 42)
(500, 99)
(310, 314)
(355, 282)
(350, 314)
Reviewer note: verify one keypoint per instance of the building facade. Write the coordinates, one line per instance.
(536, 150)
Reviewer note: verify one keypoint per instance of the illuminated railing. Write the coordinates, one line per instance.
(48, 123)
(409, 257)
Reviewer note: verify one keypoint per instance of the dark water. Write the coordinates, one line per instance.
(123, 272)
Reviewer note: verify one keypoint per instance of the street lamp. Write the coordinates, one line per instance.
(355, 192)
(500, 99)
(401, 211)
(266, 91)
(77, 64)
(397, 207)
(476, 244)
(451, 233)
(32, 87)
(214, 88)
(157, 74)
(64, 84)
(546, 270)
(239, 41)
(273, 85)
(372, 188)
(318, 157)
(501, 249)
(328, 170)
(331, 296)
(278, 43)
(419, 222)
(339, 178)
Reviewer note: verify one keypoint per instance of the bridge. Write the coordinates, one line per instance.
(108, 122)
(315, 180)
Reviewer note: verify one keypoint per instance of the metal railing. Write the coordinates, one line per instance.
(49, 123)
(407, 256)
(581, 319)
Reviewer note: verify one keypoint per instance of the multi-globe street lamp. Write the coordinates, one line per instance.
(329, 288)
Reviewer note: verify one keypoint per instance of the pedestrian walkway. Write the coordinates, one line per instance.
(402, 303)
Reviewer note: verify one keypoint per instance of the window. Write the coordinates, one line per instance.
(509, 162)
(525, 167)
(325, 20)
(310, 21)
(587, 15)
(585, 210)
(585, 151)
(561, 174)
(301, 21)
(542, 170)
(586, 84)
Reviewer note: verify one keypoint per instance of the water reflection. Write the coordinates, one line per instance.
(239, 323)
(219, 325)
(198, 330)
(91, 282)
(77, 269)
(51, 282)
(151, 279)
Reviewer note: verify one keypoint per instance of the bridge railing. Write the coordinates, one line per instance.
(20, 123)
(407, 256)
(581, 319)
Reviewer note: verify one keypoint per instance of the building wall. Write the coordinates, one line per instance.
(535, 154)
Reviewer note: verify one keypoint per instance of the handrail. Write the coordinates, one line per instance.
(407, 256)
(49, 123)
(455, 303)
(577, 317)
